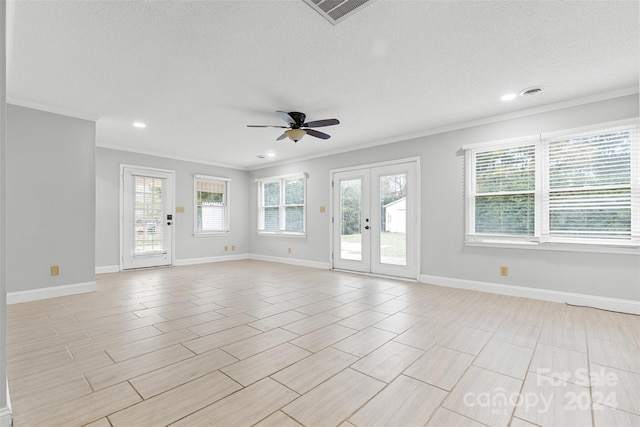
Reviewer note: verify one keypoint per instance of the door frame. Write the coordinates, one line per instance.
(171, 203)
(418, 213)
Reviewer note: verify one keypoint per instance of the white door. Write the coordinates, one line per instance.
(375, 220)
(351, 241)
(147, 218)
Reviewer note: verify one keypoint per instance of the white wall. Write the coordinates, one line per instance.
(443, 252)
(187, 247)
(50, 200)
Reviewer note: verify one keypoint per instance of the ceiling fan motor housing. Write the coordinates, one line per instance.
(298, 118)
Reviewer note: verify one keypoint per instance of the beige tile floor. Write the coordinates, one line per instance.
(247, 343)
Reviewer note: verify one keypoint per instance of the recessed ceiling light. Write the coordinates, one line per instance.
(271, 154)
(508, 97)
(140, 125)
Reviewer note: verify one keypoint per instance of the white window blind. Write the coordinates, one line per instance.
(505, 185)
(578, 188)
(281, 205)
(148, 211)
(211, 205)
(590, 187)
(294, 190)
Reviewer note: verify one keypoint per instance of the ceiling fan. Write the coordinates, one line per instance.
(298, 127)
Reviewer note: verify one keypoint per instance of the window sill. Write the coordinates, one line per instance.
(282, 234)
(561, 247)
(212, 234)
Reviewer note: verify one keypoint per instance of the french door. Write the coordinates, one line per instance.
(375, 220)
(147, 207)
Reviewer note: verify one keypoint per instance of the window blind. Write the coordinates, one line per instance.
(281, 204)
(505, 185)
(572, 188)
(209, 186)
(211, 205)
(590, 193)
(294, 204)
(148, 210)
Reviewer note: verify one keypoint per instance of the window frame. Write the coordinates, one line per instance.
(282, 231)
(227, 206)
(542, 238)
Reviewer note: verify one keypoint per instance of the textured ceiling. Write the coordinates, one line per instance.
(197, 72)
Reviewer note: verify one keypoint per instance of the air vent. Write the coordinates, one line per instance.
(531, 91)
(337, 10)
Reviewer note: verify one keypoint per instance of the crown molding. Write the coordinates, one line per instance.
(633, 90)
(52, 109)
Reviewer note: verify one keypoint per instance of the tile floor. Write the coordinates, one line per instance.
(248, 343)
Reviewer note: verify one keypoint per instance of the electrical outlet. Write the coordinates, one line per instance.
(504, 270)
(55, 270)
(323, 209)
(226, 248)
(233, 247)
(289, 250)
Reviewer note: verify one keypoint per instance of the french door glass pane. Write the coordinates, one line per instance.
(393, 219)
(148, 237)
(350, 219)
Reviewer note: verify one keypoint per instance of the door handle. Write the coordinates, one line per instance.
(366, 227)
(169, 223)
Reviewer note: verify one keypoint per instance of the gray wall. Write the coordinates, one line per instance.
(187, 246)
(50, 199)
(3, 204)
(53, 164)
(443, 252)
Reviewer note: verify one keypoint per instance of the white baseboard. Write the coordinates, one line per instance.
(108, 269)
(51, 292)
(179, 262)
(5, 413)
(5, 417)
(8, 396)
(291, 261)
(605, 303)
(206, 260)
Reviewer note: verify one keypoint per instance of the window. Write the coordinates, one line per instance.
(211, 196)
(281, 205)
(505, 191)
(580, 188)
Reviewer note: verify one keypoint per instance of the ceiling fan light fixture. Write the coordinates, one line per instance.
(295, 134)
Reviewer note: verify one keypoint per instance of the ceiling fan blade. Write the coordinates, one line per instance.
(281, 137)
(317, 134)
(320, 123)
(267, 126)
(286, 117)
